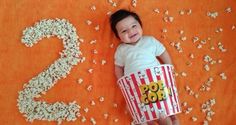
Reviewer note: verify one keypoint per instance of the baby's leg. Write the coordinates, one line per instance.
(148, 123)
(174, 119)
(151, 123)
(164, 121)
(161, 121)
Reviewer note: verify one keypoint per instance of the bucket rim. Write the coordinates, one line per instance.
(144, 70)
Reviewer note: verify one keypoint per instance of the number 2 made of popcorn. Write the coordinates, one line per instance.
(40, 84)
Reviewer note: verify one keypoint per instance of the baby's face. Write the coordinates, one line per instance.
(129, 30)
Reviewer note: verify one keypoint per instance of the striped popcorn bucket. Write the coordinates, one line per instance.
(150, 92)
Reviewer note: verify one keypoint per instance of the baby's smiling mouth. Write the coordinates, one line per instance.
(133, 35)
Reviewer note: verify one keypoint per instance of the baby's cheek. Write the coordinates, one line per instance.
(125, 37)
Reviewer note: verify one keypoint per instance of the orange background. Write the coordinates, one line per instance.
(18, 64)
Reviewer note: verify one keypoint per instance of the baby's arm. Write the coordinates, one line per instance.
(165, 58)
(119, 71)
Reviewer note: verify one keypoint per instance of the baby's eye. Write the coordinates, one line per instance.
(123, 31)
(134, 26)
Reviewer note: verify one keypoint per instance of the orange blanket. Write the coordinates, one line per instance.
(212, 22)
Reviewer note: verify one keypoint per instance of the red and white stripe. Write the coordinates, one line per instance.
(136, 84)
(127, 96)
(168, 83)
(173, 87)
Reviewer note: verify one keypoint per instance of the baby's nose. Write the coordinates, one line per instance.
(130, 31)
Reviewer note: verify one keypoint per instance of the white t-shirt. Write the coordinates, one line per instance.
(139, 56)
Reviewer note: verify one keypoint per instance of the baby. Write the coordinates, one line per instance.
(137, 52)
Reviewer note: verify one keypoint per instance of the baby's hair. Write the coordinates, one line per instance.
(120, 15)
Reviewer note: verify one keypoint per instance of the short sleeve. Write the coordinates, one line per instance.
(118, 57)
(159, 47)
